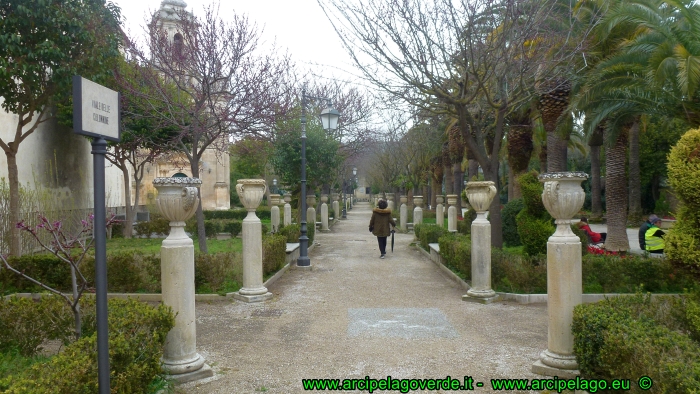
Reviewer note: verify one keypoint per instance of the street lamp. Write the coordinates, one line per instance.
(329, 120)
(274, 185)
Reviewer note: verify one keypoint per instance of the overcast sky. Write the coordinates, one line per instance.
(300, 26)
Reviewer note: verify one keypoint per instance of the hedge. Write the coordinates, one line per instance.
(428, 234)
(639, 336)
(137, 334)
(261, 212)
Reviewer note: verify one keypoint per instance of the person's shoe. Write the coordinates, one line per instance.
(381, 257)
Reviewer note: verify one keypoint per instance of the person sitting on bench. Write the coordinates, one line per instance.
(654, 238)
(593, 237)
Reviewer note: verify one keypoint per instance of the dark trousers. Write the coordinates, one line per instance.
(382, 244)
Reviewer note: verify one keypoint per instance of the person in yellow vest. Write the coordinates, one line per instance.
(654, 237)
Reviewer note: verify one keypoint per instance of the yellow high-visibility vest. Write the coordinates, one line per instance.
(652, 242)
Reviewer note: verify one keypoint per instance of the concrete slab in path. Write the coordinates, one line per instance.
(355, 315)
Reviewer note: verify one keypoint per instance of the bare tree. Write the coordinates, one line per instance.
(223, 85)
(474, 61)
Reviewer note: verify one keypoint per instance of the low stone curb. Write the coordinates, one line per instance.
(519, 298)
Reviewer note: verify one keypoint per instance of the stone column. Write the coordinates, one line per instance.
(480, 195)
(251, 192)
(311, 211)
(452, 213)
(439, 212)
(390, 201)
(287, 210)
(336, 206)
(403, 214)
(177, 201)
(563, 197)
(417, 211)
(324, 213)
(275, 212)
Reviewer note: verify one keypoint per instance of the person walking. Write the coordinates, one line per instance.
(654, 238)
(643, 231)
(379, 225)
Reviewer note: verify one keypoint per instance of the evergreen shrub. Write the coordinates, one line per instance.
(137, 334)
(534, 223)
(274, 251)
(218, 272)
(683, 240)
(639, 336)
(45, 268)
(428, 234)
(510, 227)
(456, 250)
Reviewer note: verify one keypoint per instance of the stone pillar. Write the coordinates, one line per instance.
(452, 213)
(417, 211)
(336, 206)
(287, 210)
(403, 214)
(480, 195)
(439, 212)
(390, 201)
(563, 197)
(311, 211)
(275, 212)
(324, 213)
(251, 192)
(177, 201)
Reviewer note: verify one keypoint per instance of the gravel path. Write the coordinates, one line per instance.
(355, 315)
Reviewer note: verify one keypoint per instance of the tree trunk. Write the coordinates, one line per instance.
(511, 182)
(127, 226)
(596, 187)
(634, 215)
(543, 159)
(449, 185)
(495, 208)
(556, 155)
(616, 194)
(13, 179)
(201, 233)
(458, 185)
(473, 170)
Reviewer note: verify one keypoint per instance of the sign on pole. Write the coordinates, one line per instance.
(95, 110)
(96, 114)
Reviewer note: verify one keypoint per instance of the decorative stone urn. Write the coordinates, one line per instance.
(452, 213)
(334, 197)
(403, 199)
(177, 200)
(287, 198)
(251, 192)
(311, 200)
(324, 198)
(418, 201)
(480, 195)
(439, 200)
(563, 197)
(274, 199)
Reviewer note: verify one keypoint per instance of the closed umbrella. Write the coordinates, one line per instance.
(392, 241)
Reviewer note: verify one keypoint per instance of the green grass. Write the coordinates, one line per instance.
(514, 250)
(12, 363)
(152, 246)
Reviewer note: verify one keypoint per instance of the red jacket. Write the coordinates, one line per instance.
(595, 237)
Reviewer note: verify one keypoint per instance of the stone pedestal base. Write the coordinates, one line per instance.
(480, 300)
(203, 373)
(302, 268)
(542, 369)
(252, 298)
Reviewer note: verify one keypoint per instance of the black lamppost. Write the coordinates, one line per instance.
(346, 186)
(329, 120)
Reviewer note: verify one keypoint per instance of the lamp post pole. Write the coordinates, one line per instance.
(329, 121)
(303, 260)
(345, 197)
